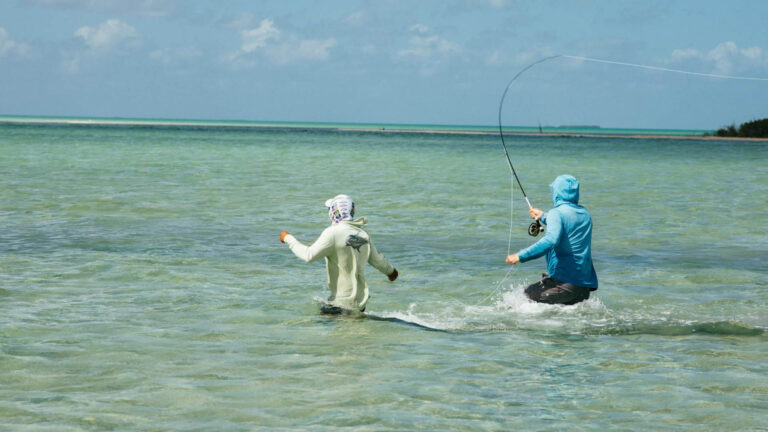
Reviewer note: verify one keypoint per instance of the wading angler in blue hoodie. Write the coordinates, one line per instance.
(567, 244)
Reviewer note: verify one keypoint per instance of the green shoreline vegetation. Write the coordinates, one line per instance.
(750, 129)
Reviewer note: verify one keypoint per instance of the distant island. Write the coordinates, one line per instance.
(573, 126)
(751, 129)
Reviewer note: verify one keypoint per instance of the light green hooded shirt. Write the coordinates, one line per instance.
(346, 249)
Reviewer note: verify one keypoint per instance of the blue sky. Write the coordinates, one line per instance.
(386, 61)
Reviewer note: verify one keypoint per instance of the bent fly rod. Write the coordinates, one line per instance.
(535, 227)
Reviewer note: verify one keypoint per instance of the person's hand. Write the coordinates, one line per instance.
(282, 236)
(513, 259)
(392, 276)
(535, 213)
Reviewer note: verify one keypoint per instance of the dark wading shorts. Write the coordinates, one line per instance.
(328, 309)
(553, 291)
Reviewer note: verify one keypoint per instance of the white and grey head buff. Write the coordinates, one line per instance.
(340, 208)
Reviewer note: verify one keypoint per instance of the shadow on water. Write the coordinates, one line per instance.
(722, 328)
(405, 322)
(332, 313)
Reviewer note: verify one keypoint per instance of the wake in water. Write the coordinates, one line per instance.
(512, 310)
(509, 310)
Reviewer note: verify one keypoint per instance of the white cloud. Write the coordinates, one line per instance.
(726, 58)
(494, 59)
(280, 48)
(419, 28)
(427, 50)
(309, 49)
(8, 46)
(425, 46)
(685, 54)
(257, 38)
(753, 53)
(108, 34)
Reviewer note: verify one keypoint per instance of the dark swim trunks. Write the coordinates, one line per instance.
(552, 291)
(329, 309)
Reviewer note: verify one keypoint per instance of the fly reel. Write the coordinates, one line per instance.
(535, 228)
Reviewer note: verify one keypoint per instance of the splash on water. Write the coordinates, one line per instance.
(512, 310)
(509, 310)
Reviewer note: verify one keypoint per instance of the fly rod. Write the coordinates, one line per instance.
(535, 227)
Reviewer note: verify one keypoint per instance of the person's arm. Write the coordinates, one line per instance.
(380, 263)
(550, 239)
(322, 247)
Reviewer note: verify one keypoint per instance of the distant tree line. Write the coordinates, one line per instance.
(752, 129)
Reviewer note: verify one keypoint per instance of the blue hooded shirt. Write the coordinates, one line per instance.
(567, 242)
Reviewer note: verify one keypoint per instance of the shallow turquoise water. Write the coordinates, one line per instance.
(245, 124)
(143, 285)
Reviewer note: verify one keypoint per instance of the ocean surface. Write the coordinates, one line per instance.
(143, 286)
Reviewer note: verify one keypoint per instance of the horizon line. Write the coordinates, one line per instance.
(148, 121)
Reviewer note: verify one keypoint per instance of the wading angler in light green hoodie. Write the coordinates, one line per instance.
(346, 248)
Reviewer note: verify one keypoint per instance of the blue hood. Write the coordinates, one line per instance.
(565, 189)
